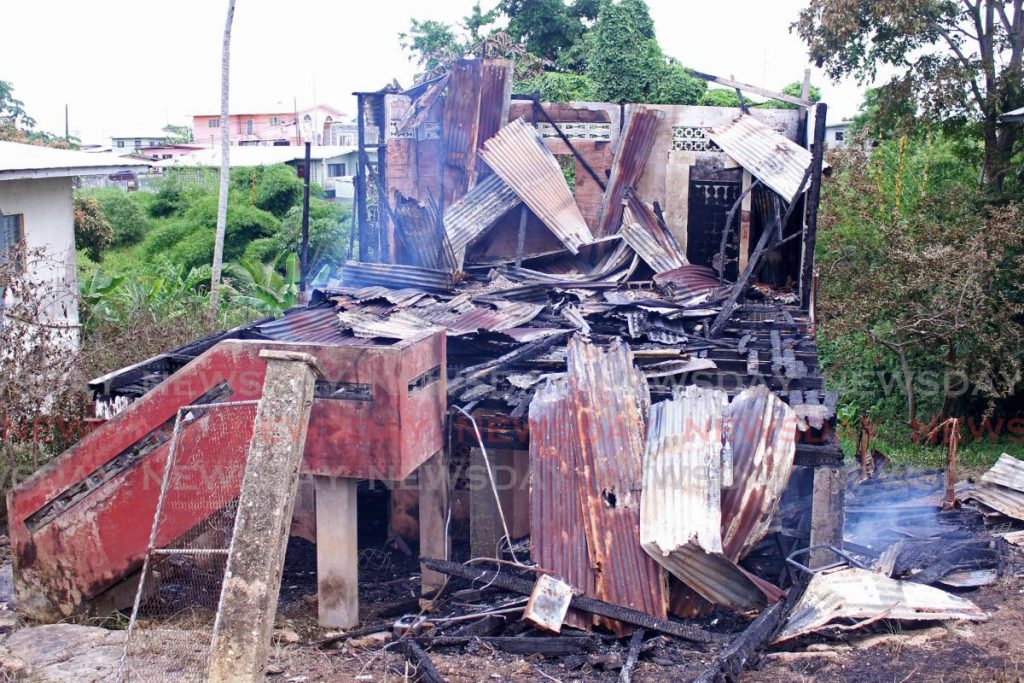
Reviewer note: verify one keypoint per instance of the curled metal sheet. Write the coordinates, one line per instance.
(517, 154)
(775, 160)
(763, 437)
(854, 593)
(420, 235)
(681, 507)
(641, 230)
(689, 279)
(471, 215)
(1008, 471)
(635, 147)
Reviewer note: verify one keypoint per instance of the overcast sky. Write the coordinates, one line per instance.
(128, 67)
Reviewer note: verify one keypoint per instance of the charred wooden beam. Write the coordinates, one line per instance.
(475, 372)
(813, 197)
(728, 665)
(427, 672)
(549, 646)
(583, 162)
(632, 655)
(581, 602)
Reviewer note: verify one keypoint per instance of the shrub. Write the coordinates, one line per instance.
(92, 229)
(126, 213)
(162, 239)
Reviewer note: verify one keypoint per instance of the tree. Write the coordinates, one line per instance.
(916, 268)
(559, 87)
(627, 64)
(17, 126)
(546, 28)
(178, 135)
(434, 45)
(962, 62)
(225, 146)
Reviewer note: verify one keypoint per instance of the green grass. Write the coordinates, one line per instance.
(973, 456)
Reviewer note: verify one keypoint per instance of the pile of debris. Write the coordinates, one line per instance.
(657, 363)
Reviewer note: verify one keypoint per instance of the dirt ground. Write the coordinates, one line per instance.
(884, 651)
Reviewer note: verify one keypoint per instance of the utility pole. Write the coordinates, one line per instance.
(67, 132)
(304, 254)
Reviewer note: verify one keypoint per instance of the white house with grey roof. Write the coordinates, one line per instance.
(36, 186)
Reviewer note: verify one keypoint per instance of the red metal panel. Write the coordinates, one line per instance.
(77, 527)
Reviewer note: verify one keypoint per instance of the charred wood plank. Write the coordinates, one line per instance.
(426, 671)
(632, 655)
(487, 626)
(581, 602)
(549, 646)
(728, 665)
(476, 372)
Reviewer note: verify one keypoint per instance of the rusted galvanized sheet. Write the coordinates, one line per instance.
(556, 514)
(773, 159)
(1008, 471)
(689, 280)
(609, 399)
(477, 106)
(1000, 498)
(635, 147)
(317, 324)
(854, 593)
(642, 231)
(419, 111)
(517, 154)
(476, 211)
(396, 276)
(680, 509)
(459, 317)
(421, 238)
(763, 437)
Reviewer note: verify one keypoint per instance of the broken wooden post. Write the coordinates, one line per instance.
(813, 197)
(952, 436)
(827, 516)
(863, 447)
(252, 579)
(337, 552)
(433, 511)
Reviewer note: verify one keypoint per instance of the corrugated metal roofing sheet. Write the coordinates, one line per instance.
(681, 507)
(1000, 498)
(396, 276)
(763, 437)
(517, 154)
(855, 593)
(773, 159)
(477, 210)
(689, 280)
(556, 515)
(420, 235)
(635, 147)
(18, 160)
(609, 402)
(319, 324)
(1008, 471)
(642, 231)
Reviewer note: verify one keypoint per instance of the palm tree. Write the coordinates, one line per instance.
(225, 144)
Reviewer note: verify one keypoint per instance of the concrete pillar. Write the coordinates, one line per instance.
(337, 552)
(433, 513)
(252, 580)
(827, 513)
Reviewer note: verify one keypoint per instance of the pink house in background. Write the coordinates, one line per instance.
(269, 128)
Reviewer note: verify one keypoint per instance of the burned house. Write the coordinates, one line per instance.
(614, 302)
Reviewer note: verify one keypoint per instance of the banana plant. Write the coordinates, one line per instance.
(262, 286)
